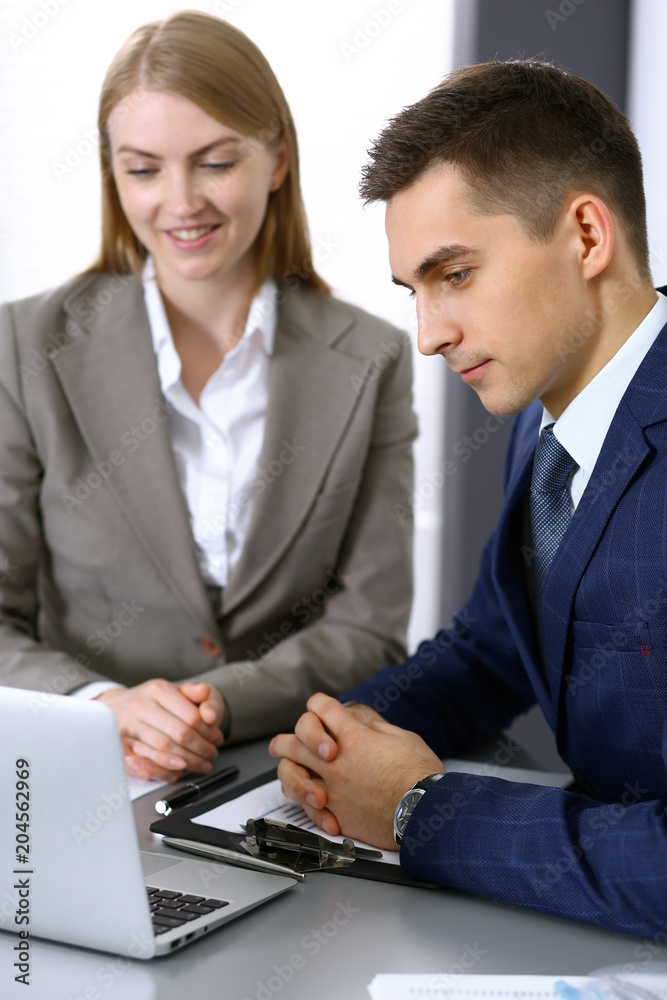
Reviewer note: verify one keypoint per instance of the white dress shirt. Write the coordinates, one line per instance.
(217, 444)
(583, 425)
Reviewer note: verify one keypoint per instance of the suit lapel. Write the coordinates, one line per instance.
(109, 376)
(624, 449)
(312, 394)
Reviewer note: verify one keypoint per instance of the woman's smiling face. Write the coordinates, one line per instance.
(193, 190)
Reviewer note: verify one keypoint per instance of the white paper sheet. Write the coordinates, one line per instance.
(454, 986)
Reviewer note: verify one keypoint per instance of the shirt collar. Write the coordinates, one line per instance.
(263, 317)
(583, 425)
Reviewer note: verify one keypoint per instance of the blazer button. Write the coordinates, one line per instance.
(210, 647)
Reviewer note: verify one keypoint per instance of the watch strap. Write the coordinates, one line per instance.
(429, 780)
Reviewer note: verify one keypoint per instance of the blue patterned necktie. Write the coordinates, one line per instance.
(550, 504)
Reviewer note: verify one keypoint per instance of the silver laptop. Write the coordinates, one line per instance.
(70, 865)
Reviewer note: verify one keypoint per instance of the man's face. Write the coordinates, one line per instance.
(505, 312)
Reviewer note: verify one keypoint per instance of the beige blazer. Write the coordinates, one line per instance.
(99, 576)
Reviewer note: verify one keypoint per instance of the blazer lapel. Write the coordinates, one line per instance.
(624, 449)
(109, 376)
(312, 394)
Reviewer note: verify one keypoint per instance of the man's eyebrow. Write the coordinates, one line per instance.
(228, 140)
(439, 258)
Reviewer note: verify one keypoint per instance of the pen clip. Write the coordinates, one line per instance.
(301, 850)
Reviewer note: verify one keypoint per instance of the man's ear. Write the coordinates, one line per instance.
(593, 231)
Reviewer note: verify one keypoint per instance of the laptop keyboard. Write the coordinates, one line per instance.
(173, 909)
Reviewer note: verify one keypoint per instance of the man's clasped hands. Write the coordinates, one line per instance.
(348, 768)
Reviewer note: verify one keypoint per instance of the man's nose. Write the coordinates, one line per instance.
(436, 330)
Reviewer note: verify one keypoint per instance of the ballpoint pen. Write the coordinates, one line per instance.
(193, 790)
(231, 857)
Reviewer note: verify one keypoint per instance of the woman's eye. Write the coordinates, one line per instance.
(141, 171)
(227, 165)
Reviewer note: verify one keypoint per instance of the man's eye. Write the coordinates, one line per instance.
(458, 277)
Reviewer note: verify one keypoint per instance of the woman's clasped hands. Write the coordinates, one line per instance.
(167, 728)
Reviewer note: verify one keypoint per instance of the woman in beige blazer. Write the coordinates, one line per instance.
(205, 458)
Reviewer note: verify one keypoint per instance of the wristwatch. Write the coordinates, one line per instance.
(407, 804)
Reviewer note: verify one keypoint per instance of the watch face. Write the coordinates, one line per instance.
(405, 809)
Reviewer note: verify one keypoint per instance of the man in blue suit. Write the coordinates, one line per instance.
(516, 216)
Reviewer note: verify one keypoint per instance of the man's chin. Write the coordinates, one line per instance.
(500, 407)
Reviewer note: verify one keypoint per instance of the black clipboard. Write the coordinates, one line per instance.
(179, 824)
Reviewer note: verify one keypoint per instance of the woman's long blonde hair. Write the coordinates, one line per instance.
(218, 68)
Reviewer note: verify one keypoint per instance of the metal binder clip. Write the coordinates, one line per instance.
(300, 850)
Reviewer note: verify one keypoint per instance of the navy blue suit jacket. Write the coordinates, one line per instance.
(602, 685)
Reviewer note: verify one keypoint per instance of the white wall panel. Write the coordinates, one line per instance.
(646, 104)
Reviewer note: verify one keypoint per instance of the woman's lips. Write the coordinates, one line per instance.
(191, 237)
(472, 373)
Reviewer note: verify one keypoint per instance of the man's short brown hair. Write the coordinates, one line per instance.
(522, 134)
